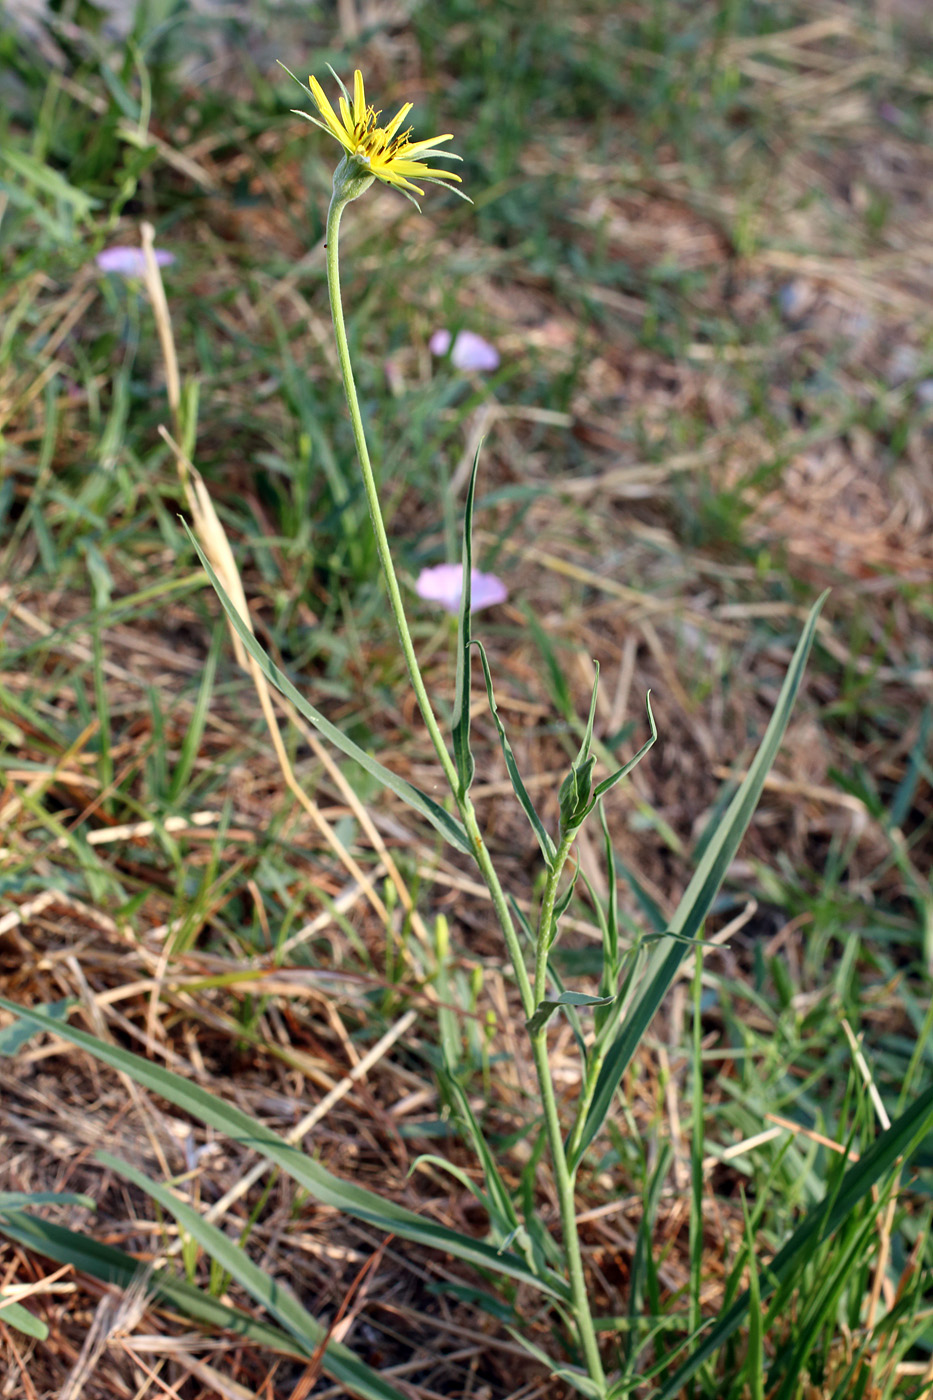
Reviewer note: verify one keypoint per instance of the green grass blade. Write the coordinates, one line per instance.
(113, 1266)
(500, 1202)
(338, 1361)
(17, 1200)
(317, 1180)
(755, 1360)
(463, 756)
(699, 895)
(21, 1319)
(548, 849)
(818, 1225)
(442, 821)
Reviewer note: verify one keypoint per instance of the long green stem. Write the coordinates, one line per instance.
(337, 206)
(530, 996)
(546, 916)
(563, 1180)
(467, 812)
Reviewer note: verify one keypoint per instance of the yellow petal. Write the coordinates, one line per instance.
(359, 99)
(397, 120)
(328, 113)
(413, 147)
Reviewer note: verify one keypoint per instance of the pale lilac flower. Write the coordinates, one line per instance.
(130, 262)
(470, 353)
(444, 584)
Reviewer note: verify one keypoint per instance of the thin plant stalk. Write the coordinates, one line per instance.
(531, 996)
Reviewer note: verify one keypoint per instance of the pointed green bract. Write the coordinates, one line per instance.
(317, 1180)
(442, 821)
(698, 898)
(575, 790)
(633, 762)
(463, 756)
(548, 849)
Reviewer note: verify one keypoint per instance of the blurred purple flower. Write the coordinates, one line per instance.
(130, 262)
(889, 113)
(444, 584)
(470, 352)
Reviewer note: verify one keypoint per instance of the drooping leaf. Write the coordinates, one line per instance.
(546, 1009)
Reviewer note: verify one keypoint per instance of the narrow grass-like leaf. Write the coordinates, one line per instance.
(755, 1359)
(115, 1267)
(689, 917)
(463, 755)
(21, 1319)
(277, 1299)
(548, 849)
(501, 1204)
(640, 1259)
(321, 1184)
(818, 1225)
(609, 920)
(442, 821)
(561, 906)
(13, 1038)
(49, 181)
(17, 1200)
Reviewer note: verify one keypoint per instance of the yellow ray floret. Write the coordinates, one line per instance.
(388, 154)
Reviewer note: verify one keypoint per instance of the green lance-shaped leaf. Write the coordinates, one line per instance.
(276, 1298)
(463, 754)
(819, 1224)
(330, 1190)
(698, 897)
(447, 825)
(548, 849)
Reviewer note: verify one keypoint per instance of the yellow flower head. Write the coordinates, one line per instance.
(382, 151)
